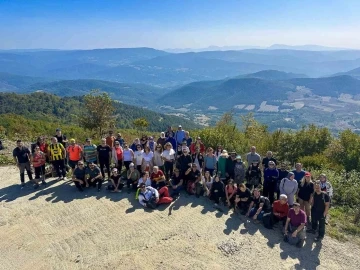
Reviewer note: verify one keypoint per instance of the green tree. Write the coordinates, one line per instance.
(141, 124)
(98, 112)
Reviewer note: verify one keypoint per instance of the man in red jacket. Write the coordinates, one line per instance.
(280, 210)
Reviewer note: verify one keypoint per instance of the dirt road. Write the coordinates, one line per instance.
(59, 228)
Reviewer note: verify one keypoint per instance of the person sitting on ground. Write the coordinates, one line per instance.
(259, 206)
(289, 187)
(243, 199)
(230, 193)
(157, 178)
(305, 193)
(210, 161)
(193, 175)
(253, 176)
(79, 176)
(75, 153)
(200, 187)
(132, 176)
(95, 176)
(176, 183)
(271, 175)
(38, 160)
(299, 173)
(239, 171)
(217, 191)
(161, 140)
(280, 210)
(150, 197)
(115, 178)
(294, 231)
(320, 204)
(283, 173)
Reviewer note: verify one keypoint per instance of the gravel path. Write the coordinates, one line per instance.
(59, 228)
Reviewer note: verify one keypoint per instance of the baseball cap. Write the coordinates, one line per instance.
(132, 165)
(72, 140)
(238, 157)
(180, 126)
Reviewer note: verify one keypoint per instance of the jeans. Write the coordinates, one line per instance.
(318, 220)
(253, 212)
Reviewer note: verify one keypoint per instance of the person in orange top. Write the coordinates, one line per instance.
(110, 140)
(75, 153)
(197, 143)
(38, 159)
(280, 210)
(118, 156)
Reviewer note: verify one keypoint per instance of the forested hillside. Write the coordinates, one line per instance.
(42, 106)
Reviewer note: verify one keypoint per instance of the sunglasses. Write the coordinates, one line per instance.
(80, 164)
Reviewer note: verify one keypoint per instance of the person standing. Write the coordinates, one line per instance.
(283, 173)
(269, 157)
(128, 155)
(320, 204)
(179, 135)
(118, 156)
(271, 176)
(21, 156)
(197, 143)
(110, 139)
(210, 162)
(188, 139)
(305, 193)
(90, 152)
(60, 137)
(104, 157)
(252, 156)
(75, 153)
(120, 140)
(289, 187)
(299, 173)
(161, 140)
(239, 171)
(38, 160)
(168, 155)
(57, 156)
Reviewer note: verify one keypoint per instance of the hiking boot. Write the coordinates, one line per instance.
(318, 239)
(300, 244)
(310, 231)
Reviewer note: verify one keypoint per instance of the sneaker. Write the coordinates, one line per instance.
(300, 244)
(310, 231)
(318, 239)
(64, 178)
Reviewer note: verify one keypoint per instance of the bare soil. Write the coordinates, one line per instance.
(57, 227)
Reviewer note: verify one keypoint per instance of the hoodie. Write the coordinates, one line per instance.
(289, 188)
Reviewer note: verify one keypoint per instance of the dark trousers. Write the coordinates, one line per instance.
(269, 190)
(138, 167)
(276, 219)
(243, 207)
(25, 167)
(40, 171)
(130, 183)
(104, 163)
(318, 220)
(169, 168)
(79, 186)
(59, 166)
(127, 164)
(215, 196)
(119, 166)
(96, 181)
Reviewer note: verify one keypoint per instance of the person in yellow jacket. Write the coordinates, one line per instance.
(57, 155)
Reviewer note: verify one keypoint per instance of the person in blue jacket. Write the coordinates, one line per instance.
(171, 140)
(271, 176)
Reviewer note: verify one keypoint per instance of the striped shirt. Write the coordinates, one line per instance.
(90, 153)
(56, 151)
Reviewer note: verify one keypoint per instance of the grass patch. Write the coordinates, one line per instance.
(344, 224)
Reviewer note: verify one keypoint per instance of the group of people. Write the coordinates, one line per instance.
(260, 188)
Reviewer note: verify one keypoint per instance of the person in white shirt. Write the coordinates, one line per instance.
(138, 157)
(148, 196)
(168, 155)
(145, 179)
(147, 160)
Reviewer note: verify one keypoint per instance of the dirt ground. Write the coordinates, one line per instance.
(59, 228)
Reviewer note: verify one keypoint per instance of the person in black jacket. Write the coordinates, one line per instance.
(217, 191)
(184, 162)
(283, 173)
(305, 193)
(198, 158)
(253, 176)
(230, 164)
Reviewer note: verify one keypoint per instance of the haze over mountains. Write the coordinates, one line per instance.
(283, 86)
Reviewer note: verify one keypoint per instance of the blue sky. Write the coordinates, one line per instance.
(80, 24)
